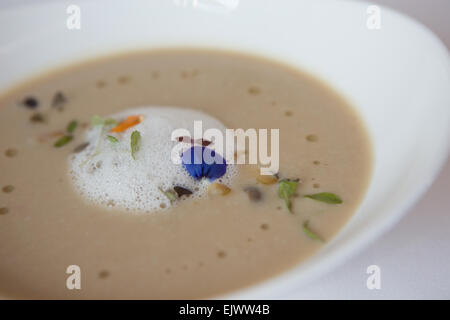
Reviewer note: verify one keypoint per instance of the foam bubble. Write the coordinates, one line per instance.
(105, 173)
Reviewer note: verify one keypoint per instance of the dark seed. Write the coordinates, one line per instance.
(81, 147)
(184, 139)
(37, 118)
(205, 143)
(31, 102)
(182, 191)
(58, 101)
(253, 194)
(4, 211)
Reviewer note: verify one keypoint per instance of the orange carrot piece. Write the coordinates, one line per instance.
(129, 122)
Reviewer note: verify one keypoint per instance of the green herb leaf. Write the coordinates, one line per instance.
(72, 126)
(97, 121)
(286, 190)
(135, 143)
(63, 141)
(110, 122)
(311, 234)
(112, 139)
(171, 195)
(326, 197)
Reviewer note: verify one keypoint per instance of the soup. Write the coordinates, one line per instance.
(251, 228)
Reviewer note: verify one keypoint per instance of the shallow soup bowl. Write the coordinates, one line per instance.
(393, 70)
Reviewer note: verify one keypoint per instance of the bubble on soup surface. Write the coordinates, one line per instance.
(155, 75)
(221, 254)
(8, 189)
(312, 138)
(123, 79)
(254, 90)
(100, 84)
(10, 153)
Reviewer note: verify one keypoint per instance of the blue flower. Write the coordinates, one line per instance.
(202, 162)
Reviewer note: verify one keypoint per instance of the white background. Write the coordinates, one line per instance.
(414, 256)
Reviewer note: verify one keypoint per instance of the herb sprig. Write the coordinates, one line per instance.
(135, 143)
(326, 197)
(311, 234)
(112, 139)
(70, 129)
(103, 123)
(171, 195)
(286, 189)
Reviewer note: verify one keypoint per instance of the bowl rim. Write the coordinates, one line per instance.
(287, 281)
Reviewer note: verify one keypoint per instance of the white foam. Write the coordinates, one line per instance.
(112, 178)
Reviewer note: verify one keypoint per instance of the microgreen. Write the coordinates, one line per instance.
(311, 234)
(72, 126)
(112, 139)
(286, 190)
(171, 195)
(135, 143)
(63, 141)
(326, 197)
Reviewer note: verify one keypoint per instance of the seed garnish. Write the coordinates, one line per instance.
(58, 101)
(80, 147)
(253, 194)
(31, 102)
(182, 191)
(218, 189)
(37, 118)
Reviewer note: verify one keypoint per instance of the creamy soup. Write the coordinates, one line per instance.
(251, 228)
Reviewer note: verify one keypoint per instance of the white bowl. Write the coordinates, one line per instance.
(396, 76)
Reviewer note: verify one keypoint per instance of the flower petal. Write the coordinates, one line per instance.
(202, 162)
